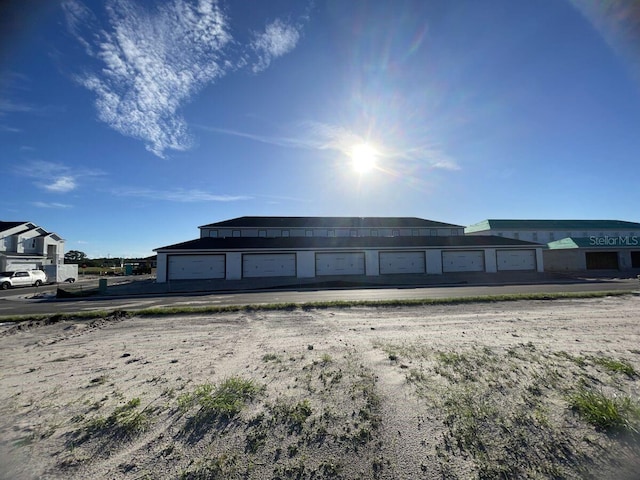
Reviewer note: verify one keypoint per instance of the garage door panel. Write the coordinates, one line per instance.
(401, 262)
(269, 265)
(602, 260)
(196, 267)
(463, 261)
(510, 260)
(347, 263)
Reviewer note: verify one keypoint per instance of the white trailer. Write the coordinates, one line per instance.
(61, 273)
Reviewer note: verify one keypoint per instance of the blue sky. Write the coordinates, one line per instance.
(124, 125)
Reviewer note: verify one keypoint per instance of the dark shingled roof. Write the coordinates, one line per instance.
(330, 222)
(298, 243)
(9, 225)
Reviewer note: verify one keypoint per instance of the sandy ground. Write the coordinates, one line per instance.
(339, 393)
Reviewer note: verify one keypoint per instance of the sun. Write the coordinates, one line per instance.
(363, 157)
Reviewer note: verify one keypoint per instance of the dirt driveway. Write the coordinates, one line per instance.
(460, 391)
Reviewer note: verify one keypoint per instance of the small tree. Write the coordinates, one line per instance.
(74, 256)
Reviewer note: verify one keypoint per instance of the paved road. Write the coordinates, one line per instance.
(15, 303)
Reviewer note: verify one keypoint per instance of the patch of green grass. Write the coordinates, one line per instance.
(124, 420)
(616, 366)
(218, 468)
(271, 357)
(577, 359)
(184, 310)
(225, 400)
(610, 414)
(294, 415)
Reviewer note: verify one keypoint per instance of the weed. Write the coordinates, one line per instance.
(610, 414)
(270, 357)
(615, 366)
(126, 420)
(580, 361)
(226, 400)
(294, 415)
(222, 467)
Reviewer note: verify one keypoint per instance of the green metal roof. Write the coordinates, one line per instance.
(596, 242)
(503, 224)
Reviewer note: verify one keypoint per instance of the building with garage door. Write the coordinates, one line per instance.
(26, 246)
(573, 245)
(323, 248)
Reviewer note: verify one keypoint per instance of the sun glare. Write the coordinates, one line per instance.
(363, 157)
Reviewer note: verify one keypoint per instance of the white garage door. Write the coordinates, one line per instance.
(196, 267)
(269, 265)
(463, 261)
(401, 262)
(348, 263)
(516, 260)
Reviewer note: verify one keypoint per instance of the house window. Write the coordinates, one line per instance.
(235, 233)
(33, 243)
(434, 232)
(552, 236)
(516, 235)
(285, 233)
(353, 233)
(395, 233)
(415, 232)
(534, 235)
(374, 233)
(213, 233)
(454, 232)
(308, 233)
(262, 233)
(331, 233)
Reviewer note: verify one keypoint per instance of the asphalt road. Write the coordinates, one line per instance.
(17, 301)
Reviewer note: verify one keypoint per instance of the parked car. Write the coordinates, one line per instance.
(22, 278)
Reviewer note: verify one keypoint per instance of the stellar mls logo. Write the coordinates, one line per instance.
(608, 241)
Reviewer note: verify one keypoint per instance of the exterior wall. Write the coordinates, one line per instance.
(329, 232)
(624, 259)
(540, 260)
(372, 262)
(161, 268)
(306, 264)
(234, 265)
(490, 262)
(433, 258)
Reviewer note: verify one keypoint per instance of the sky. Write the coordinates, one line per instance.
(126, 124)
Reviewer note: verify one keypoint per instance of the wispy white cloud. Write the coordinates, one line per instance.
(55, 177)
(11, 106)
(62, 184)
(178, 195)
(277, 39)
(322, 136)
(50, 205)
(155, 60)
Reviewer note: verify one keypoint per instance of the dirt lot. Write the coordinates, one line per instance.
(461, 391)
